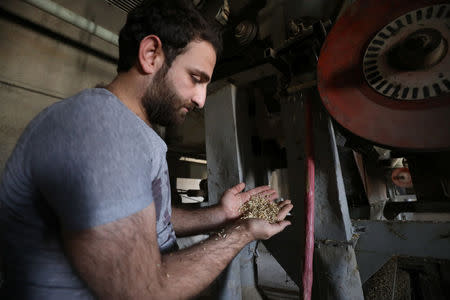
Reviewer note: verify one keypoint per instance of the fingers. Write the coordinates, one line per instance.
(284, 203)
(257, 190)
(270, 194)
(278, 227)
(283, 224)
(284, 211)
(238, 188)
(262, 230)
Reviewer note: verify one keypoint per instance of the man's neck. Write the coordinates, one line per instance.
(130, 89)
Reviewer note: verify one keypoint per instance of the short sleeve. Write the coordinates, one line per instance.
(92, 170)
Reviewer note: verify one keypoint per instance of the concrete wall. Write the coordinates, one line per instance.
(37, 70)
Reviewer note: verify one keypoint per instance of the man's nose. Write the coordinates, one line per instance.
(200, 96)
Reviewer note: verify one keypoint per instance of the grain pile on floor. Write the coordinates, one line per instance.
(388, 283)
(261, 208)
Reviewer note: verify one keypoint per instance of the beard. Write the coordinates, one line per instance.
(163, 106)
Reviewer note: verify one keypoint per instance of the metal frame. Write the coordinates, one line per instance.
(380, 240)
(226, 168)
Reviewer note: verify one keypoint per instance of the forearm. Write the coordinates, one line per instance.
(189, 271)
(121, 260)
(196, 221)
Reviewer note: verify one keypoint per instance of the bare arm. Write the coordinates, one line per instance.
(121, 260)
(204, 220)
(196, 221)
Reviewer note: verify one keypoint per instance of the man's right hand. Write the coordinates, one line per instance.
(260, 229)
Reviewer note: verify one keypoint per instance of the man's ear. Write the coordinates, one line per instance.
(151, 55)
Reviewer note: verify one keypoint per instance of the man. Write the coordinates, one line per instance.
(85, 195)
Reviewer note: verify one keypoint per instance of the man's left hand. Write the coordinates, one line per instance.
(233, 198)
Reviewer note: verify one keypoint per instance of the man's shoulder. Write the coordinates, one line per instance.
(91, 104)
(108, 113)
(77, 108)
(86, 138)
(97, 115)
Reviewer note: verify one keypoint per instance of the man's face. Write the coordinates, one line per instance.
(179, 89)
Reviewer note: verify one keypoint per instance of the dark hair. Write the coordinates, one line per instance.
(175, 22)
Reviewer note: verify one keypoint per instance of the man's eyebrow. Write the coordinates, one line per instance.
(204, 77)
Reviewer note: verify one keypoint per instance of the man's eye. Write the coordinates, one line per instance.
(196, 78)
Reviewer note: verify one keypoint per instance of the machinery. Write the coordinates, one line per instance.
(376, 131)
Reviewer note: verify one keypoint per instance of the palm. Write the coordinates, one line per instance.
(233, 198)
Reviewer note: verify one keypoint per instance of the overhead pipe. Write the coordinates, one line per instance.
(76, 20)
(40, 29)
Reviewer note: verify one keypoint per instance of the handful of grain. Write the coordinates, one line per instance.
(261, 208)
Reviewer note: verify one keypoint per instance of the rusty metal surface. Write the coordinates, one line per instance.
(335, 270)
(415, 125)
(224, 171)
(380, 240)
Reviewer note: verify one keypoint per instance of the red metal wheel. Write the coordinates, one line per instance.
(394, 115)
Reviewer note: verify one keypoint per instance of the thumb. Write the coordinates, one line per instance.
(237, 188)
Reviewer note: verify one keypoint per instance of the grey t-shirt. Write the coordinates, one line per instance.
(85, 161)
